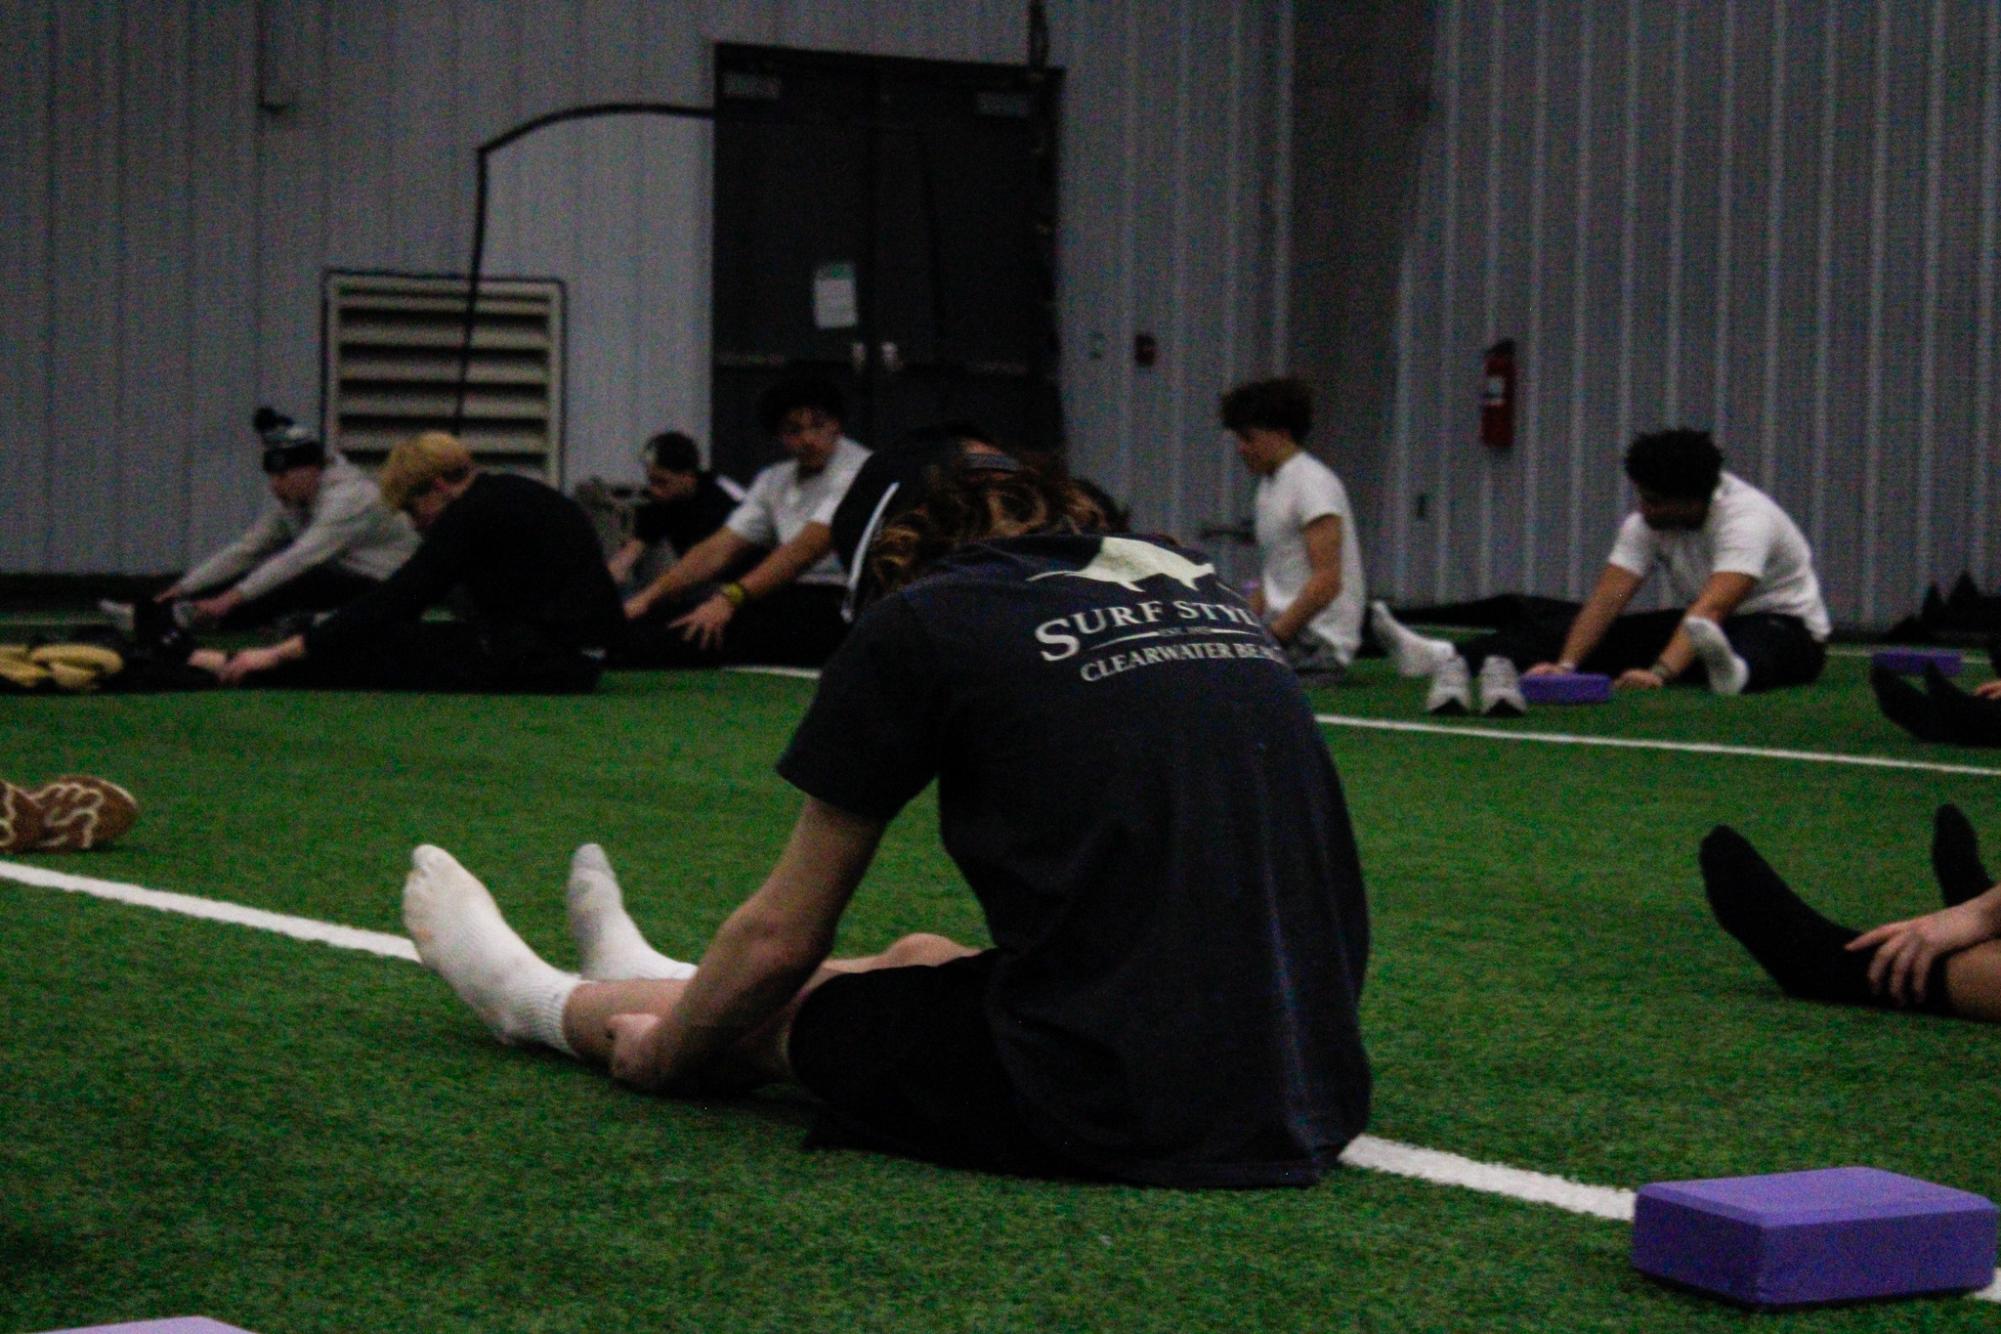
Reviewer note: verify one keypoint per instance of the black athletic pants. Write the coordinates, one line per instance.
(447, 657)
(1778, 649)
(1941, 711)
(797, 626)
(322, 588)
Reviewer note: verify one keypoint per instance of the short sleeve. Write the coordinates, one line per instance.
(1633, 550)
(870, 740)
(1318, 495)
(753, 520)
(1743, 542)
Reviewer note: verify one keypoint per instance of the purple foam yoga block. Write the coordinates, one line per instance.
(1567, 688)
(1839, 1234)
(1912, 661)
(180, 1324)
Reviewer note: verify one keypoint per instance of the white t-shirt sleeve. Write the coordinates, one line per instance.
(1318, 495)
(753, 520)
(1635, 548)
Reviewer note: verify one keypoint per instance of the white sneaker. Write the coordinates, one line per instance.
(1728, 673)
(1448, 695)
(1414, 654)
(1501, 689)
(120, 615)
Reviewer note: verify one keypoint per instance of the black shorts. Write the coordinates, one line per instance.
(903, 1060)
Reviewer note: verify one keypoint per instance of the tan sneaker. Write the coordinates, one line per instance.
(20, 819)
(81, 812)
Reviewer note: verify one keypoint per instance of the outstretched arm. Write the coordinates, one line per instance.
(697, 565)
(790, 560)
(1615, 589)
(759, 961)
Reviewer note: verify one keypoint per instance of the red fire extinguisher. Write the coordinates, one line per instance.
(1497, 396)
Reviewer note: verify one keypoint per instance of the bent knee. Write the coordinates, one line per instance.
(922, 948)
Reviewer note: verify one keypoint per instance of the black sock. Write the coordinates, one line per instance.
(1962, 719)
(1905, 705)
(1956, 857)
(1803, 951)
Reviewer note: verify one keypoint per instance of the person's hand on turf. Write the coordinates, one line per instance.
(1988, 690)
(1906, 951)
(247, 663)
(704, 625)
(635, 1044)
(1638, 678)
(1548, 669)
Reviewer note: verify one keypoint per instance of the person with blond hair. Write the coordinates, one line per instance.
(538, 607)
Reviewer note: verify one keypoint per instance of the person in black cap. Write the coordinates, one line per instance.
(1130, 780)
(685, 502)
(785, 609)
(323, 541)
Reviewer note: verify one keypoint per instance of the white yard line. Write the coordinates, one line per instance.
(1633, 743)
(1367, 1152)
(1575, 739)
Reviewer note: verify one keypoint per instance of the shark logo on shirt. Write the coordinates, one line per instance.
(1127, 563)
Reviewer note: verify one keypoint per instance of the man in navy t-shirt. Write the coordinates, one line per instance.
(1132, 784)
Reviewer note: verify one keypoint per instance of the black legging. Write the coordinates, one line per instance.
(1941, 711)
(797, 626)
(1779, 650)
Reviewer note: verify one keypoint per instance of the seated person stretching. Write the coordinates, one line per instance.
(1751, 611)
(1947, 962)
(322, 541)
(684, 503)
(540, 606)
(1154, 832)
(1310, 587)
(786, 609)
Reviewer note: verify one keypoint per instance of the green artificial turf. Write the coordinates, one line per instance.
(292, 1138)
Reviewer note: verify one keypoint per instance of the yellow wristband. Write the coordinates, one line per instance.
(734, 594)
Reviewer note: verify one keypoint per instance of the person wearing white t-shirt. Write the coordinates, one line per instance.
(786, 609)
(1751, 611)
(1310, 589)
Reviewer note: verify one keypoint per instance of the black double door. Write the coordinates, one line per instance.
(888, 224)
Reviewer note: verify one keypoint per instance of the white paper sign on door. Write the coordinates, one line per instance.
(834, 296)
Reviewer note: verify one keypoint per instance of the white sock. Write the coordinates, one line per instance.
(461, 936)
(1412, 653)
(609, 946)
(1728, 673)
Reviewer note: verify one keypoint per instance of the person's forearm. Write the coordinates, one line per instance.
(750, 972)
(788, 561)
(1988, 905)
(1585, 632)
(704, 560)
(1315, 596)
(625, 558)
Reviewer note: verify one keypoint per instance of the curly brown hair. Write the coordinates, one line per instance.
(966, 503)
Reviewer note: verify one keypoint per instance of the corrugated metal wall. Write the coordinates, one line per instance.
(1772, 218)
(180, 174)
